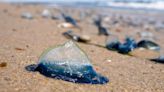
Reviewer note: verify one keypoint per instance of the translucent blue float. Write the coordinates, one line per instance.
(68, 62)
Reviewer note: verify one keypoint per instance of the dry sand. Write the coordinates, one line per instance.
(22, 42)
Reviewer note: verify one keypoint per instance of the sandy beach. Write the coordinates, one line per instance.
(23, 41)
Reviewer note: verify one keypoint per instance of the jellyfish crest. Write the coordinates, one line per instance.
(65, 56)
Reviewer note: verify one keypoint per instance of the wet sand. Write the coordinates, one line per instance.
(22, 42)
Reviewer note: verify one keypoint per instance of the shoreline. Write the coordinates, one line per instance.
(103, 4)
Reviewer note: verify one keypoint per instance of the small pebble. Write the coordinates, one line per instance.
(27, 15)
(121, 74)
(85, 38)
(7, 79)
(5, 11)
(27, 46)
(66, 25)
(14, 29)
(108, 60)
(3, 64)
(20, 49)
(46, 13)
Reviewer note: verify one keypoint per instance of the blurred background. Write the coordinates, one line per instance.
(137, 4)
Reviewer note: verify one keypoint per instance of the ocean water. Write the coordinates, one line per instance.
(135, 4)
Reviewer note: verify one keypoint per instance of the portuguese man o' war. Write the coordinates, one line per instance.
(71, 20)
(123, 48)
(148, 45)
(68, 62)
(129, 45)
(160, 59)
(101, 30)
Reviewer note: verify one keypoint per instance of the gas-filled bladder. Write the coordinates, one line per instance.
(68, 62)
